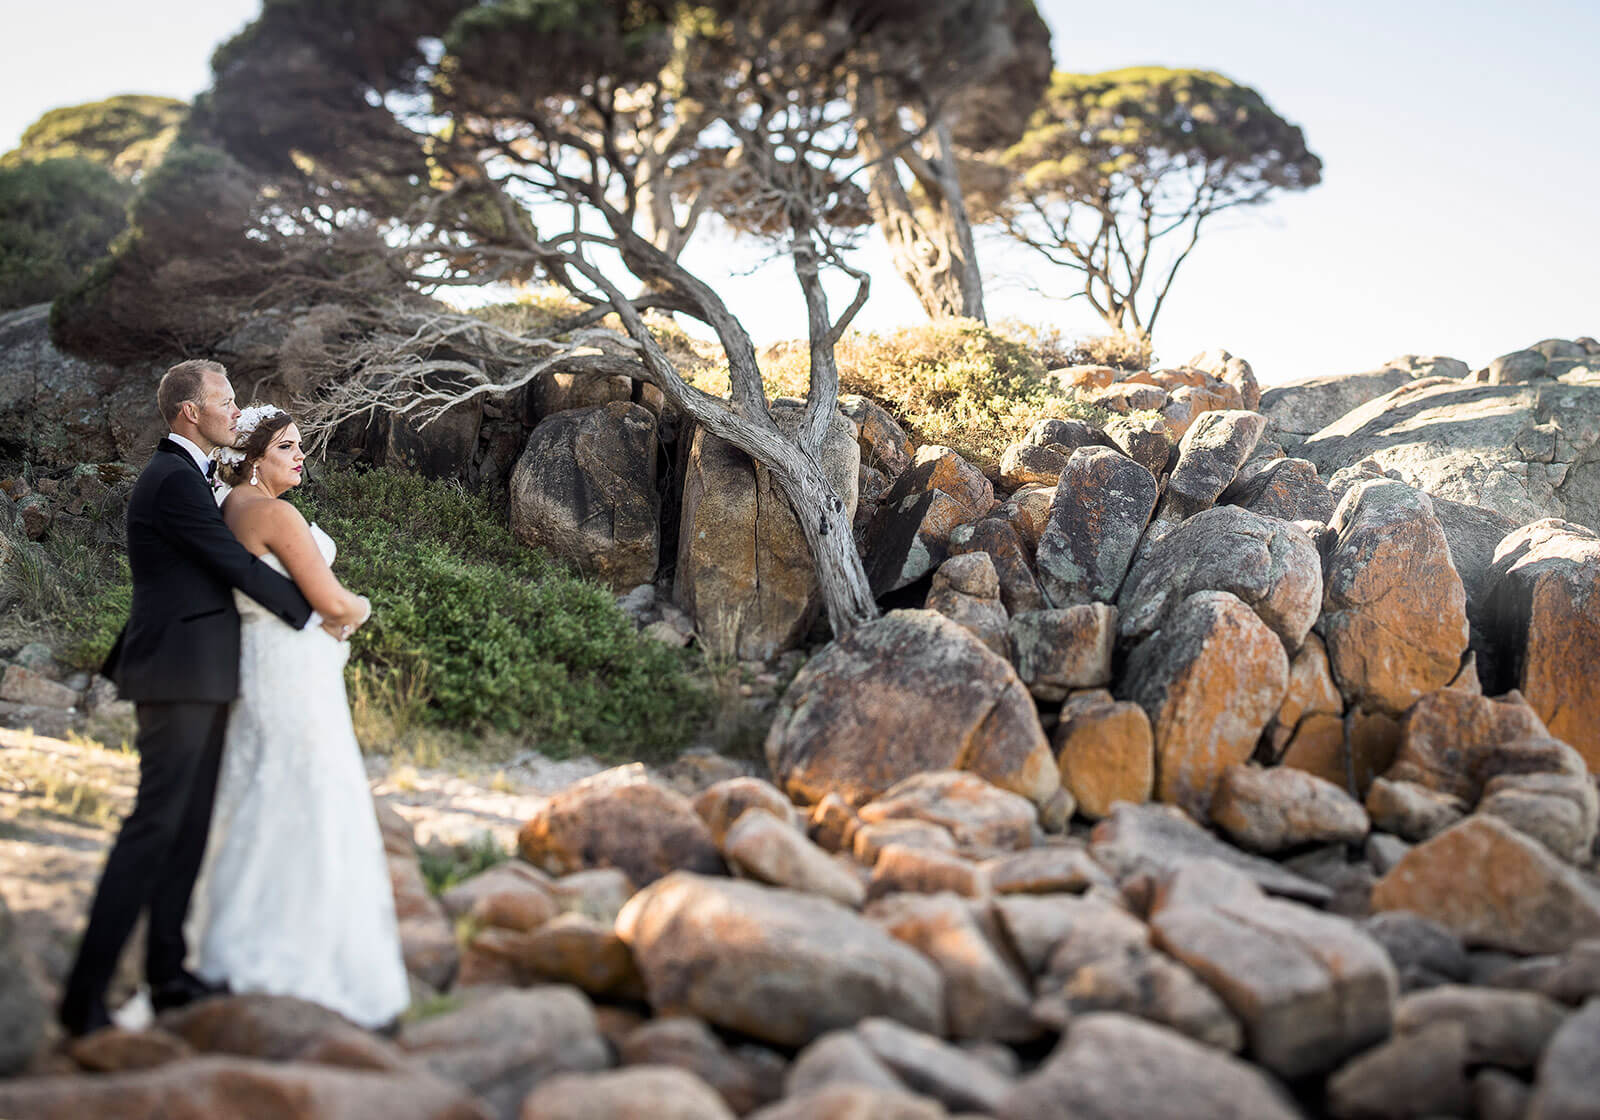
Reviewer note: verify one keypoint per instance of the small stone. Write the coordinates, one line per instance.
(1568, 1083)
(1507, 1029)
(976, 814)
(1411, 1075)
(1412, 811)
(900, 868)
(1273, 810)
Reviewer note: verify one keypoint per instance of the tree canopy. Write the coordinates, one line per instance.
(127, 134)
(1114, 163)
(57, 218)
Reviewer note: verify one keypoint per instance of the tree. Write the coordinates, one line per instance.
(57, 218)
(1113, 163)
(924, 159)
(128, 134)
(520, 139)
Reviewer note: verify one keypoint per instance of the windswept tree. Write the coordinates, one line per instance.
(925, 159)
(1120, 172)
(571, 141)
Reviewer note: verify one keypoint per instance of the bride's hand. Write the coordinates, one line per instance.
(343, 631)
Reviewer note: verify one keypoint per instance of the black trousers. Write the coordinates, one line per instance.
(157, 854)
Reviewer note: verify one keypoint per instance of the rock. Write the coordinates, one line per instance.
(1411, 1075)
(554, 391)
(279, 1029)
(1274, 810)
(833, 824)
(22, 1009)
(910, 534)
(599, 894)
(1383, 851)
(1288, 489)
(1492, 886)
(1024, 464)
(1507, 1029)
(746, 1079)
(569, 949)
(1065, 435)
(1473, 534)
(444, 449)
(984, 995)
(1231, 370)
(1311, 989)
(852, 1102)
(1560, 810)
(1209, 681)
(1053, 869)
(1300, 408)
(1099, 511)
(618, 819)
(723, 803)
(502, 1045)
(1268, 564)
(907, 693)
(509, 894)
(765, 848)
(1063, 649)
(1546, 587)
(1570, 977)
(1027, 511)
(1450, 741)
(1160, 840)
(1517, 368)
(933, 1067)
(1425, 954)
(1209, 457)
(774, 964)
(1311, 691)
(976, 814)
(115, 1050)
(585, 489)
(1497, 1095)
(427, 940)
(745, 570)
(1106, 752)
(1319, 746)
(1112, 1066)
(24, 686)
(1410, 810)
(636, 1093)
(871, 839)
(838, 1058)
(1568, 1082)
(901, 868)
(966, 590)
(1019, 589)
(884, 443)
(1146, 442)
(1128, 396)
(1084, 377)
(1395, 612)
(218, 1086)
(1525, 451)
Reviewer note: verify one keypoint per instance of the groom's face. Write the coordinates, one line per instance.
(216, 412)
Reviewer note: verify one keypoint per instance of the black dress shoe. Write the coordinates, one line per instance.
(182, 990)
(79, 1021)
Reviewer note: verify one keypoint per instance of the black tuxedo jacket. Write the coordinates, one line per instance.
(181, 642)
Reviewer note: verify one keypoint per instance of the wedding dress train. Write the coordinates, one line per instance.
(294, 897)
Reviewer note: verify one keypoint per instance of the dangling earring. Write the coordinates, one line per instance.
(255, 476)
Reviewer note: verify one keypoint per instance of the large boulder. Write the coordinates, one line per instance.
(777, 965)
(1394, 619)
(1106, 752)
(1569, 1078)
(901, 695)
(1012, 558)
(1209, 457)
(22, 1011)
(444, 448)
(1523, 450)
(745, 571)
(1100, 508)
(1300, 408)
(619, 819)
(1289, 489)
(1209, 681)
(1270, 564)
(1545, 608)
(910, 534)
(585, 489)
(1230, 371)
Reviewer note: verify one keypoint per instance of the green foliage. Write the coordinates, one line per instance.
(955, 382)
(444, 867)
(499, 637)
(1113, 162)
(57, 218)
(126, 135)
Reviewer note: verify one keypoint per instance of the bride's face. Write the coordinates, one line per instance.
(283, 464)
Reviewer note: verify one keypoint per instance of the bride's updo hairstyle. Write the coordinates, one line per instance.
(260, 425)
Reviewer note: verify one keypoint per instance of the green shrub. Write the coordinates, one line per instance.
(57, 219)
(955, 382)
(499, 636)
(444, 867)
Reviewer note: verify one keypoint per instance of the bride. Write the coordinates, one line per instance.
(294, 896)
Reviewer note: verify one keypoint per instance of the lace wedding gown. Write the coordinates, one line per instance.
(294, 896)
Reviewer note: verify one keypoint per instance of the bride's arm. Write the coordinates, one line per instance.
(285, 532)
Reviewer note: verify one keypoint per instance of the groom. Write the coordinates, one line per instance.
(178, 660)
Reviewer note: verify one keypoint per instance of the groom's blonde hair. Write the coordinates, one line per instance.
(184, 382)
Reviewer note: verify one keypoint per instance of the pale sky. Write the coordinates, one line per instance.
(1456, 215)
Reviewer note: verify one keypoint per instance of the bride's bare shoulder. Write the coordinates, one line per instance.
(261, 516)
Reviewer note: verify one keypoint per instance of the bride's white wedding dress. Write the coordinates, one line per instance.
(294, 896)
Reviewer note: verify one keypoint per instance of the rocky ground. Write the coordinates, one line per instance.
(1225, 759)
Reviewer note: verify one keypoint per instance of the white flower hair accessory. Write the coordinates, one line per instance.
(249, 419)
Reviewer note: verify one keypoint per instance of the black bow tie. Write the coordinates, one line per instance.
(211, 469)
